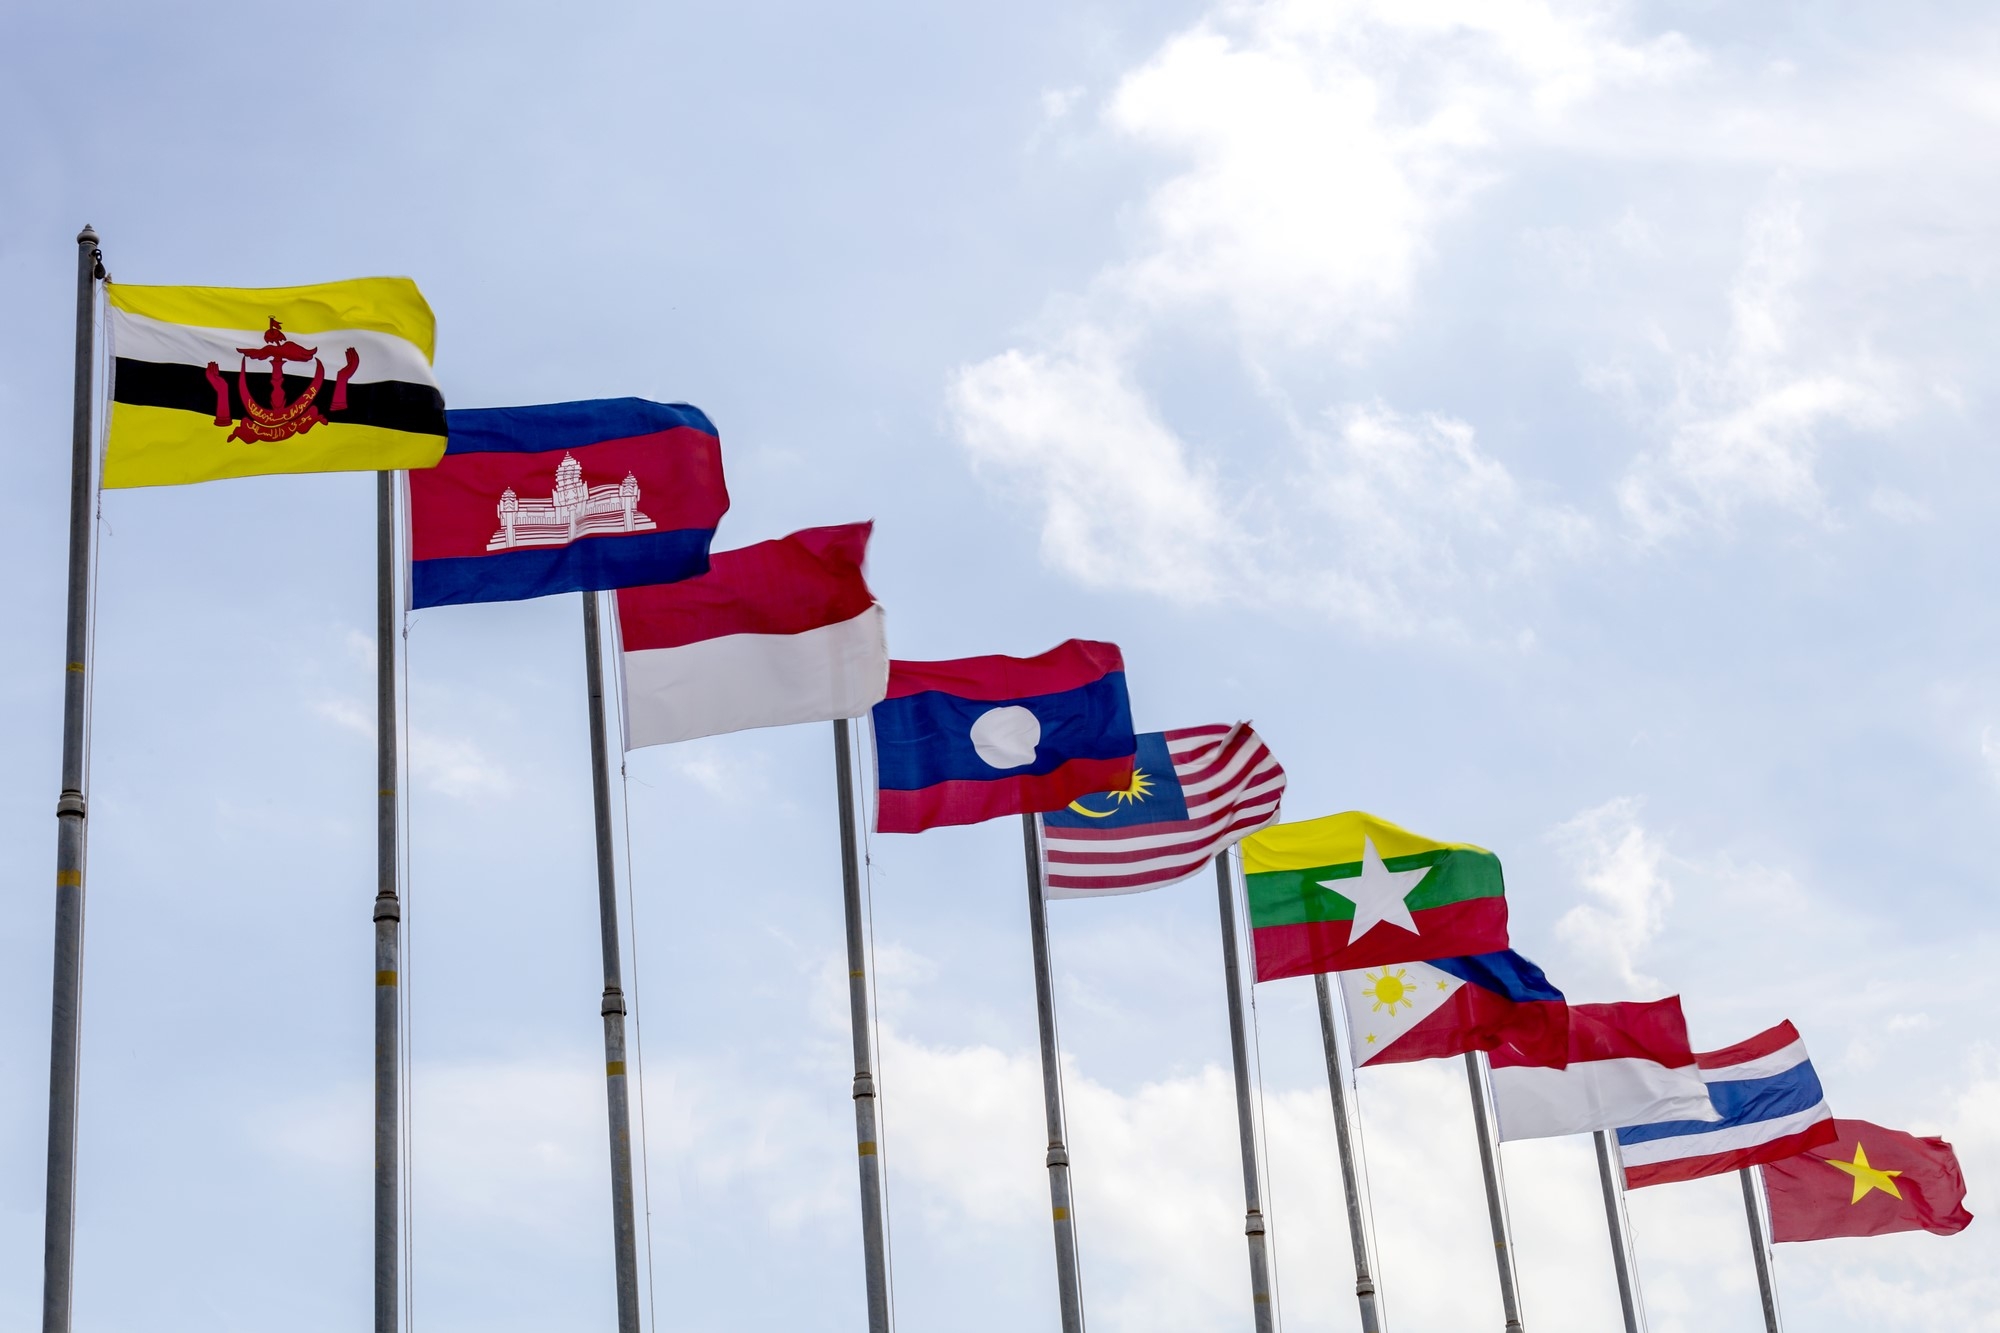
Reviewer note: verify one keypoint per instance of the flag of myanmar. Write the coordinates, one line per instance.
(1351, 890)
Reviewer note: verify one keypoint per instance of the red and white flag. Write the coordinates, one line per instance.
(1193, 793)
(1629, 1064)
(781, 632)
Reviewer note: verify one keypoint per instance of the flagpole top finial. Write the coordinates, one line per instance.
(88, 236)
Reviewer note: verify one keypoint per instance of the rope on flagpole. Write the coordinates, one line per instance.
(638, 1009)
(1351, 1073)
(866, 781)
(1242, 907)
(405, 996)
(100, 430)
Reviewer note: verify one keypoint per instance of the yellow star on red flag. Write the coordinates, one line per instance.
(1867, 1177)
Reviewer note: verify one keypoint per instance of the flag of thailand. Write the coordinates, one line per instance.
(981, 737)
(1448, 1006)
(1771, 1106)
(1629, 1064)
(773, 634)
(1194, 792)
(565, 497)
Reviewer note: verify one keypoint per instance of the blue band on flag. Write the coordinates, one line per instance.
(1161, 800)
(1505, 973)
(926, 738)
(546, 426)
(592, 564)
(1744, 1101)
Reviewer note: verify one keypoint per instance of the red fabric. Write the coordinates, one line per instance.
(1067, 666)
(803, 582)
(1475, 1019)
(1813, 1200)
(1768, 1042)
(992, 798)
(1476, 925)
(452, 505)
(1632, 1030)
(1721, 1163)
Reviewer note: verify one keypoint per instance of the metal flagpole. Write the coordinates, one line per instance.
(388, 913)
(874, 1249)
(624, 1234)
(1762, 1251)
(1364, 1282)
(1069, 1281)
(1611, 1173)
(1496, 1207)
(59, 1215)
(1246, 1126)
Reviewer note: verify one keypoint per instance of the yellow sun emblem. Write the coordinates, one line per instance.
(1388, 990)
(1139, 790)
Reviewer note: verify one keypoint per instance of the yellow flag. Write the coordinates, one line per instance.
(213, 382)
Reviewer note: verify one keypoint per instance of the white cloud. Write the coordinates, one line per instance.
(1749, 421)
(1384, 518)
(1618, 864)
(448, 765)
(1314, 151)
(1323, 143)
(1122, 505)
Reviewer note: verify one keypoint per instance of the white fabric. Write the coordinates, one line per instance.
(1596, 1094)
(1375, 1024)
(740, 681)
(1782, 1060)
(383, 356)
(1722, 1140)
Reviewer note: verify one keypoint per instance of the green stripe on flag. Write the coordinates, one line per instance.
(1294, 897)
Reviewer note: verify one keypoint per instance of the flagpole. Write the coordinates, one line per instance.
(874, 1246)
(1364, 1282)
(1246, 1125)
(624, 1234)
(388, 915)
(1611, 1173)
(1761, 1250)
(1069, 1279)
(65, 1032)
(1496, 1207)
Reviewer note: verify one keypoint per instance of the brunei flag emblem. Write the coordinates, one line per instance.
(214, 382)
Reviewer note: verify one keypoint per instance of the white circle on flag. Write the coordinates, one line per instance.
(1007, 737)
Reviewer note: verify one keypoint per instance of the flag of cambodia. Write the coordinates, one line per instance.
(974, 739)
(565, 497)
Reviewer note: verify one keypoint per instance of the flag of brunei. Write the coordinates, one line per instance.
(214, 382)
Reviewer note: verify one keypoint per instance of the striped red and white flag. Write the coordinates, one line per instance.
(1194, 792)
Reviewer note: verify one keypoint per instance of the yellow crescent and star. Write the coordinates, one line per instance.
(1141, 787)
(1867, 1177)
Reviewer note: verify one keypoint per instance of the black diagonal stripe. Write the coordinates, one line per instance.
(390, 404)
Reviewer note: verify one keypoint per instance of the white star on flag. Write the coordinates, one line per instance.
(1378, 893)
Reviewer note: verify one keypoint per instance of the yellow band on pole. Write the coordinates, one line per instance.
(69, 879)
(1062, 1214)
(74, 666)
(385, 978)
(868, 1147)
(614, 1069)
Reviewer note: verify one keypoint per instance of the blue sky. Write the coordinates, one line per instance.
(1561, 427)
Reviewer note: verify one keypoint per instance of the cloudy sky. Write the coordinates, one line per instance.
(1560, 426)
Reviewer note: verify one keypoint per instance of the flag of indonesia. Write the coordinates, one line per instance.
(980, 737)
(780, 632)
(1629, 1064)
(564, 497)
